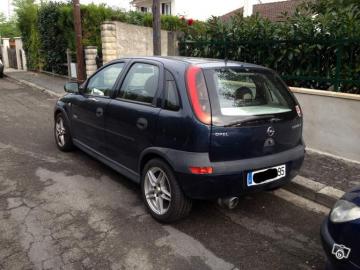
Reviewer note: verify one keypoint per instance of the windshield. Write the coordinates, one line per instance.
(237, 93)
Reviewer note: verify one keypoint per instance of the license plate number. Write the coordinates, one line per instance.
(267, 175)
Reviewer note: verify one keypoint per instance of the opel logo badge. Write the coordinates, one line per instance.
(270, 131)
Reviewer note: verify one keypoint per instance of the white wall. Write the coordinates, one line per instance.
(331, 122)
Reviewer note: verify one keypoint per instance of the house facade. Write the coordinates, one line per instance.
(270, 9)
(195, 9)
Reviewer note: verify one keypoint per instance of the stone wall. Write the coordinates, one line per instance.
(90, 60)
(124, 40)
(108, 39)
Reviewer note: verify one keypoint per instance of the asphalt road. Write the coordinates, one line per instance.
(68, 211)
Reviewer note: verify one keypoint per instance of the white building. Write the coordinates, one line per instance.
(195, 9)
(200, 9)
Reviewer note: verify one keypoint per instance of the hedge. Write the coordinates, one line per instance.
(47, 29)
(317, 47)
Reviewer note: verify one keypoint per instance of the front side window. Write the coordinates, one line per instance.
(141, 83)
(102, 83)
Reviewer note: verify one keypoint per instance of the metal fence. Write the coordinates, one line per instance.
(319, 64)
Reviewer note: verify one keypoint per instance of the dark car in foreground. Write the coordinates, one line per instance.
(185, 128)
(340, 233)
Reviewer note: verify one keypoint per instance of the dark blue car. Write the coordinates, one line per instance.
(340, 233)
(185, 128)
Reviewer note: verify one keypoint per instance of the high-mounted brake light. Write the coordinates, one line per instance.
(298, 110)
(201, 170)
(198, 94)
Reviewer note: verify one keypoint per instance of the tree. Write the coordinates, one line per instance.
(8, 28)
(27, 20)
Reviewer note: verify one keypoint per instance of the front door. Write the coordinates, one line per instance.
(131, 120)
(88, 109)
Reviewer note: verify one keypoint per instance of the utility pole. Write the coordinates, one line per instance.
(80, 69)
(156, 27)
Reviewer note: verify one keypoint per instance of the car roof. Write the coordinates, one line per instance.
(202, 62)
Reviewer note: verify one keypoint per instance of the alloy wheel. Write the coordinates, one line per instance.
(157, 190)
(60, 131)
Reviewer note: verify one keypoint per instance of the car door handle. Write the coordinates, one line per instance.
(93, 99)
(99, 112)
(142, 123)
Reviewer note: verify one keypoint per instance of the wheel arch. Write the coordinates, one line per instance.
(60, 109)
(153, 153)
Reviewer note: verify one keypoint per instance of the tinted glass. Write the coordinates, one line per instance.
(171, 94)
(141, 83)
(102, 83)
(239, 93)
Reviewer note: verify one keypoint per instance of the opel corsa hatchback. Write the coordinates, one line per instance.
(185, 128)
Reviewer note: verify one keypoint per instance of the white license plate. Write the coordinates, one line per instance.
(267, 175)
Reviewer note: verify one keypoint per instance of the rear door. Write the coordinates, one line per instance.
(131, 120)
(253, 114)
(88, 109)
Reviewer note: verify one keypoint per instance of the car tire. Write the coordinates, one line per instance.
(162, 194)
(62, 133)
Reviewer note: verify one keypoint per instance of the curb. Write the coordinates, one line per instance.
(314, 191)
(35, 86)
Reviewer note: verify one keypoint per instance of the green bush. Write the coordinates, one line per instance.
(303, 48)
(48, 30)
(53, 44)
(27, 21)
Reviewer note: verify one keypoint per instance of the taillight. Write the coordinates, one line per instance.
(201, 170)
(198, 94)
(298, 110)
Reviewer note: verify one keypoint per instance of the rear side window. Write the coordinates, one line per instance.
(171, 97)
(141, 83)
(239, 92)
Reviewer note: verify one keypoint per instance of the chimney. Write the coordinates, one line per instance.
(248, 7)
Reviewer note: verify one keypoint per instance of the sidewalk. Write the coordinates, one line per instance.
(337, 173)
(39, 80)
(322, 179)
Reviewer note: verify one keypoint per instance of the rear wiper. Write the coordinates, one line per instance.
(269, 118)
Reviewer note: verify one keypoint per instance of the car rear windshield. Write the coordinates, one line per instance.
(238, 93)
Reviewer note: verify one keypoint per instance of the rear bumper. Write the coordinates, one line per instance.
(328, 243)
(229, 178)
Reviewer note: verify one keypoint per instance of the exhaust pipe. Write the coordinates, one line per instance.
(230, 202)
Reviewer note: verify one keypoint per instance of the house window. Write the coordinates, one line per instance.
(165, 9)
(144, 9)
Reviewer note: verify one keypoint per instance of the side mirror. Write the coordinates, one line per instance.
(71, 87)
